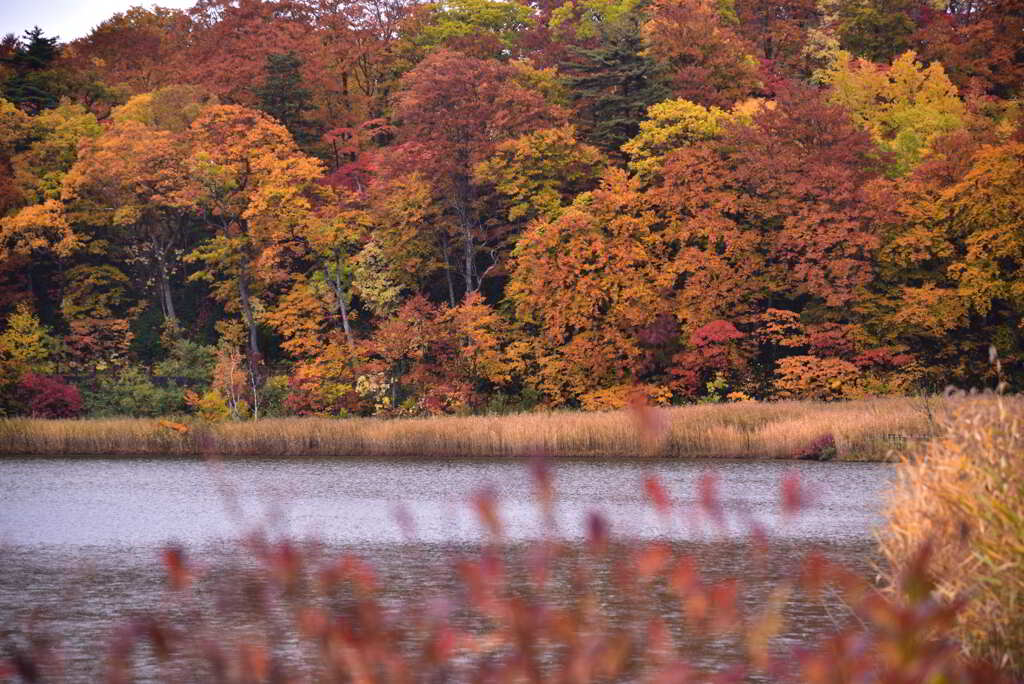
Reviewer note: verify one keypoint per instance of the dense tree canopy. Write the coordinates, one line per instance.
(396, 207)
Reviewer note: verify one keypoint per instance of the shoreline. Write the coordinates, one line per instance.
(862, 430)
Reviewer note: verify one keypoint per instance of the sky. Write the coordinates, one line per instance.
(68, 19)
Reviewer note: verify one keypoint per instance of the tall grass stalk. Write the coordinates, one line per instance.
(860, 430)
(963, 493)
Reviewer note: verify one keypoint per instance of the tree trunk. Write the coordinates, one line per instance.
(448, 270)
(255, 393)
(243, 295)
(463, 207)
(342, 308)
(468, 236)
(167, 301)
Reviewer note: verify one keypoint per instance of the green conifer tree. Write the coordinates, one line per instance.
(283, 96)
(612, 83)
(32, 85)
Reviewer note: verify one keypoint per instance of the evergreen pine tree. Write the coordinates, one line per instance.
(613, 83)
(877, 30)
(32, 86)
(283, 96)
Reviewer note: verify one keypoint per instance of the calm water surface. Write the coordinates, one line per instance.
(80, 539)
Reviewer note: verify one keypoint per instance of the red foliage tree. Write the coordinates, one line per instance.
(709, 62)
(228, 44)
(454, 111)
(978, 43)
(135, 49)
(715, 349)
(779, 209)
(596, 285)
(778, 30)
(417, 351)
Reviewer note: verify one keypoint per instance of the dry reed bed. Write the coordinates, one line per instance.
(867, 430)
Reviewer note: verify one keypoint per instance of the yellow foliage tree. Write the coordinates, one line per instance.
(905, 106)
(25, 345)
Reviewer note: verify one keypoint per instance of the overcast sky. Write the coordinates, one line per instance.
(68, 19)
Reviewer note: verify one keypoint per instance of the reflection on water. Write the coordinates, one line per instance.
(80, 539)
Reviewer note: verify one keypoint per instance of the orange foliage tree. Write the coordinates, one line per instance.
(590, 284)
(949, 285)
(253, 186)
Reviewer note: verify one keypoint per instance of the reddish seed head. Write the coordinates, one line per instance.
(597, 531)
(405, 521)
(359, 572)
(443, 645)
(286, 562)
(758, 536)
(540, 473)
(491, 565)
(814, 573)
(651, 560)
(657, 494)
(538, 562)
(724, 605)
(158, 637)
(696, 606)
(649, 422)
(485, 501)
(312, 622)
(658, 637)
(684, 578)
(707, 496)
(254, 661)
(177, 572)
(794, 495)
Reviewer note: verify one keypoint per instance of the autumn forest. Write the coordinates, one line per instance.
(397, 208)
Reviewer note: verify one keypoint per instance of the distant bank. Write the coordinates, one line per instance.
(856, 430)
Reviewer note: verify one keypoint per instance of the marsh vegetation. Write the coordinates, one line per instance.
(857, 430)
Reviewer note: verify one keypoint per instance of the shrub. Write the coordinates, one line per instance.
(130, 392)
(326, 385)
(234, 379)
(309, 396)
(811, 377)
(97, 345)
(26, 344)
(189, 361)
(965, 491)
(45, 396)
(821, 449)
(273, 395)
(503, 403)
(212, 406)
(621, 396)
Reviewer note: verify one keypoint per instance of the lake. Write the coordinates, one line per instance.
(80, 539)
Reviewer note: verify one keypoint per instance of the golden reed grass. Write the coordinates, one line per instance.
(963, 493)
(862, 430)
